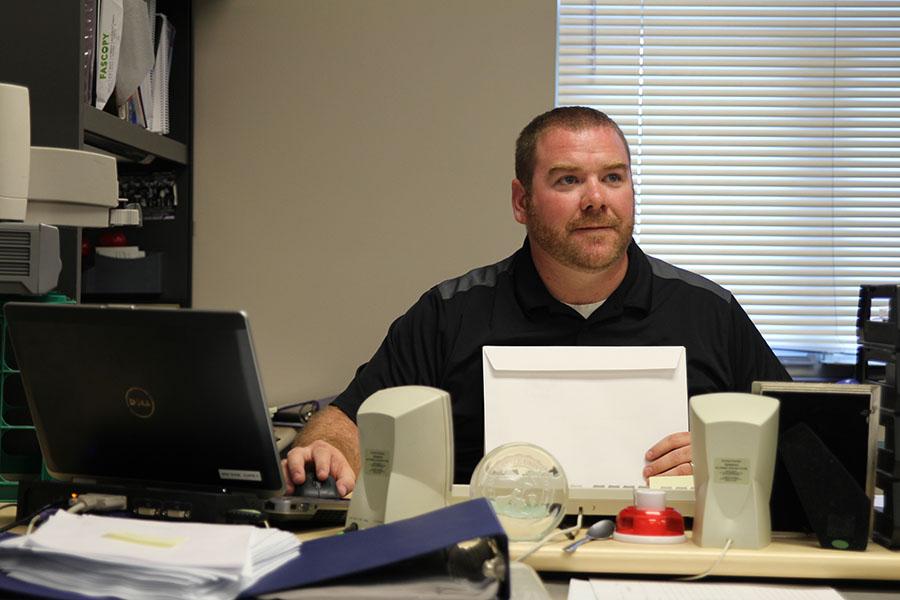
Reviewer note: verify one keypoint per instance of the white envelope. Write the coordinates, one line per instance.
(596, 409)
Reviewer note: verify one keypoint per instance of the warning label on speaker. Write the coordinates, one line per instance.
(377, 462)
(731, 470)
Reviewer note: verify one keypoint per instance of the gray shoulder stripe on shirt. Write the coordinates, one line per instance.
(482, 276)
(665, 270)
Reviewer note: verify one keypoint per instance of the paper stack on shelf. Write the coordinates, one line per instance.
(145, 89)
(133, 58)
(145, 560)
(158, 113)
(109, 39)
(136, 59)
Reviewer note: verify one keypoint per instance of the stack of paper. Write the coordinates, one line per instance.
(158, 104)
(133, 50)
(130, 558)
(136, 59)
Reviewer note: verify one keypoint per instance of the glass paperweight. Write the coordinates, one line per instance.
(526, 486)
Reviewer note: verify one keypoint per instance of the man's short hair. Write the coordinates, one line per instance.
(573, 118)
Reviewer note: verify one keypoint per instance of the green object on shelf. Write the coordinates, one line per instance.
(20, 454)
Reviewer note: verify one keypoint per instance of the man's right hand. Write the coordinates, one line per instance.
(327, 459)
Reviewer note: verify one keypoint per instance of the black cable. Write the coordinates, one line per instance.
(8, 504)
(25, 520)
(349, 528)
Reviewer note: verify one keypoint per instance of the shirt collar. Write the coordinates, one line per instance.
(634, 291)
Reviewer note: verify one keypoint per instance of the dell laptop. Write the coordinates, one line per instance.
(152, 398)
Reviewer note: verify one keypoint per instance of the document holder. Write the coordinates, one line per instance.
(419, 542)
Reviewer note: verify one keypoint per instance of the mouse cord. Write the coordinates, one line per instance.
(27, 518)
(78, 504)
(550, 536)
(31, 524)
(714, 565)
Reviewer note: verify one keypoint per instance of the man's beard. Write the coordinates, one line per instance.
(581, 254)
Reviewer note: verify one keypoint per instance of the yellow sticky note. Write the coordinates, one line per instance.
(143, 539)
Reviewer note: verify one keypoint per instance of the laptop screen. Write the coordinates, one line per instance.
(168, 397)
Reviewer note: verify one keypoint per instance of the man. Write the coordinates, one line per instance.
(579, 279)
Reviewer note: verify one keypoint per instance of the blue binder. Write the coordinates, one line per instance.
(370, 549)
(332, 558)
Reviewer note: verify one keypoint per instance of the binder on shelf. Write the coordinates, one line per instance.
(145, 89)
(109, 38)
(88, 48)
(136, 58)
(133, 61)
(158, 114)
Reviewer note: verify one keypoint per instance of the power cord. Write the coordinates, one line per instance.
(551, 536)
(29, 517)
(31, 523)
(78, 503)
(714, 565)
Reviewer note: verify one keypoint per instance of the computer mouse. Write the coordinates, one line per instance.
(314, 488)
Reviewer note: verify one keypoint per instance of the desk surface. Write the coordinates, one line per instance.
(800, 558)
(790, 558)
(784, 558)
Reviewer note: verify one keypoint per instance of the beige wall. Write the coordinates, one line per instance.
(349, 155)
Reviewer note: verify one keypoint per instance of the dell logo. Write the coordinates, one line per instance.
(140, 402)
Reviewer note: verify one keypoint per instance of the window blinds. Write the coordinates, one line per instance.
(765, 140)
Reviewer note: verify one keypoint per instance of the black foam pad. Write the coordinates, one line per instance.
(835, 504)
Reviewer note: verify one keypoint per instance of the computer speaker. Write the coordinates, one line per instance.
(406, 450)
(734, 438)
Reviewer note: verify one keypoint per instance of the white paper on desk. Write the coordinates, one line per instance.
(147, 560)
(596, 409)
(676, 590)
(160, 543)
(580, 589)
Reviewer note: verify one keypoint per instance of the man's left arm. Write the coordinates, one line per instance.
(751, 359)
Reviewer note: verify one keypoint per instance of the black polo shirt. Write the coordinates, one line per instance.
(438, 341)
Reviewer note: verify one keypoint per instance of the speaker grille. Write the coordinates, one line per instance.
(15, 253)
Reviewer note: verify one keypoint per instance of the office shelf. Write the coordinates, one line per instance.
(61, 118)
(877, 360)
(111, 134)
